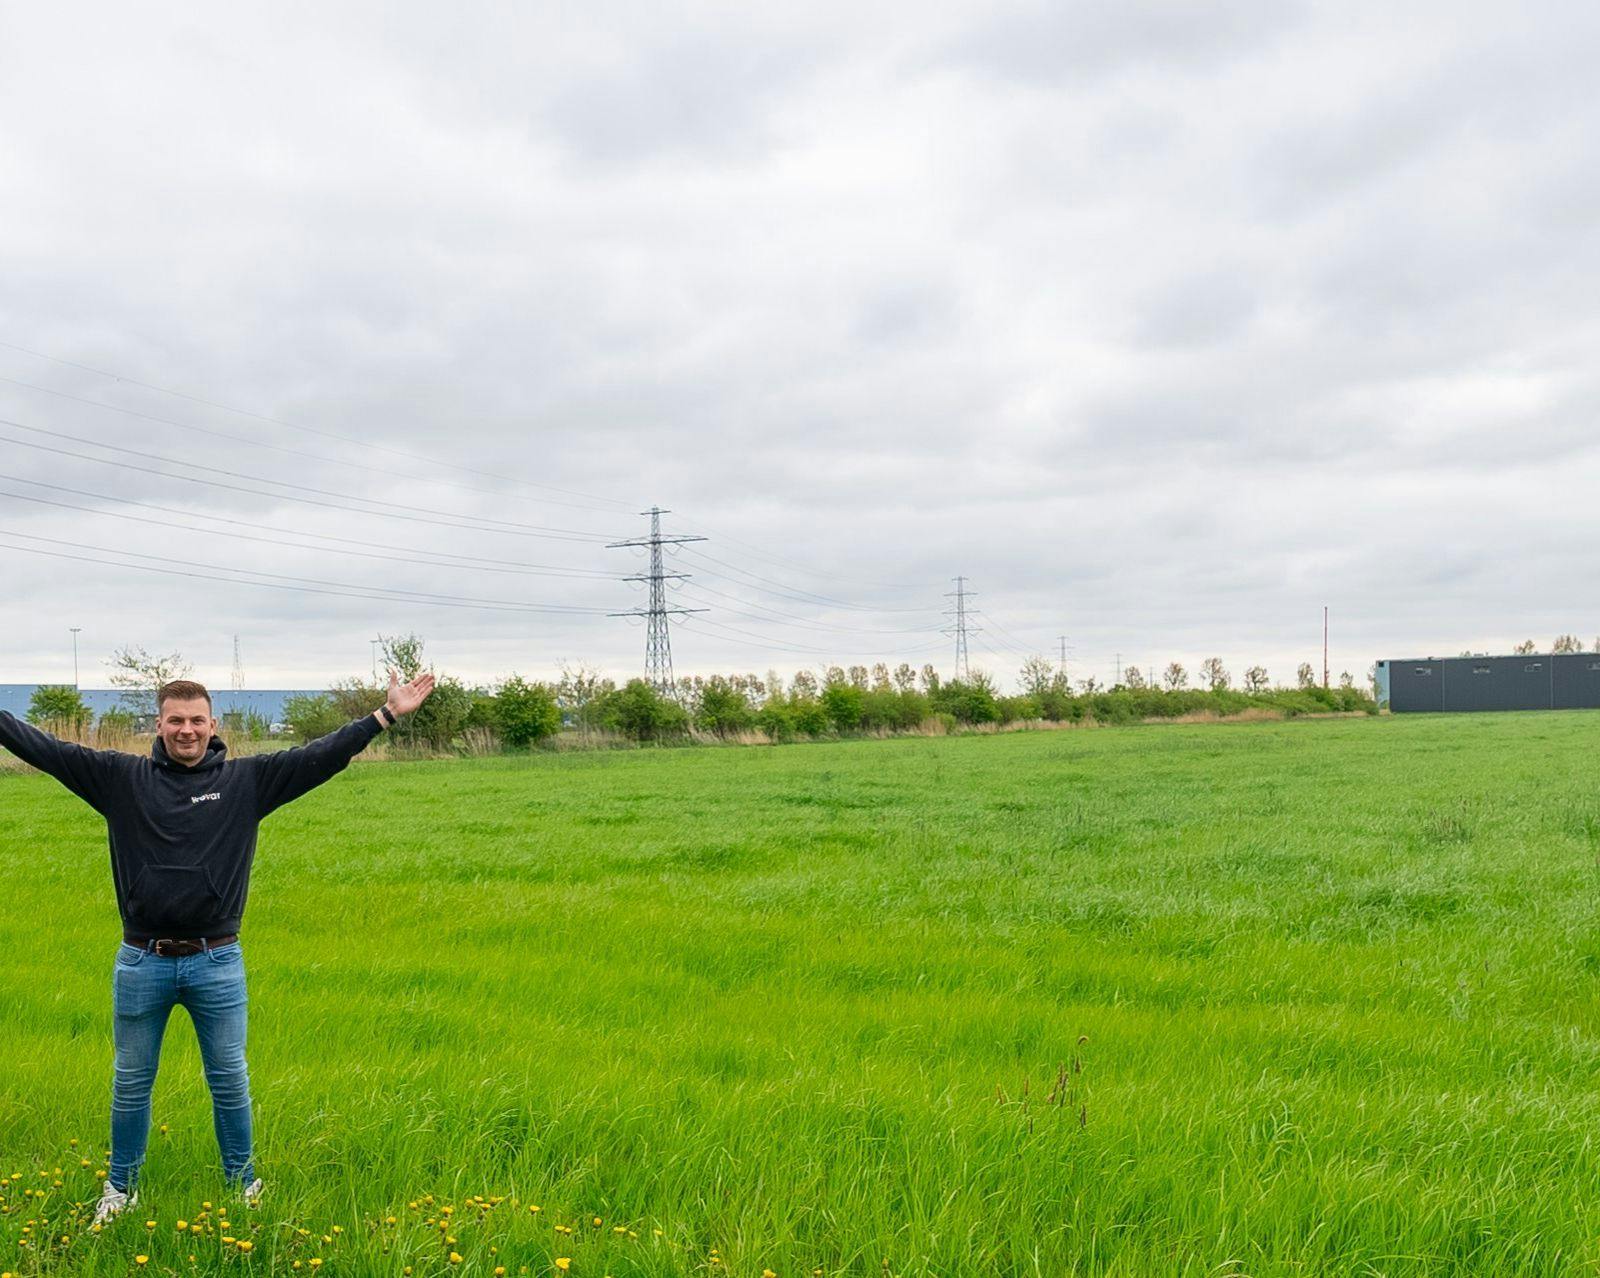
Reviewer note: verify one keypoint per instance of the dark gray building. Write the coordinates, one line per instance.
(1539, 681)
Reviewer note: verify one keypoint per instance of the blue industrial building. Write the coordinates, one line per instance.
(1537, 681)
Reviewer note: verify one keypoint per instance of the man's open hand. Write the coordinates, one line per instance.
(406, 697)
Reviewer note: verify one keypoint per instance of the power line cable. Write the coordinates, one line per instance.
(493, 525)
(462, 560)
(361, 443)
(794, 563)
(234, 581)
(771, 614)
(529, 571)
(761, 641)
(304, 501)
(281, 448)
(310, 430)
(386, 591)
(802, 596)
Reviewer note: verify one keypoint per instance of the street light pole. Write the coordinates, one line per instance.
(75, 630)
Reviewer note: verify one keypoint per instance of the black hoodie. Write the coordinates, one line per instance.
(183, 838)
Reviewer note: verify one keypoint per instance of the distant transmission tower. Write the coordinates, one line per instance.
(238, 667)
(658, 643)
(960, 594)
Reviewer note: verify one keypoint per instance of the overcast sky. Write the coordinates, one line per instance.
(1164, 324)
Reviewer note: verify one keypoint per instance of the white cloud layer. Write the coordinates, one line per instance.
(1165, 324)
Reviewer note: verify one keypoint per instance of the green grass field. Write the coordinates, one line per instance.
(1299, 998)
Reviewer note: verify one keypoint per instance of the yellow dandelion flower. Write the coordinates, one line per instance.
(141, 1260)
(149, 1224)
(164, 1129)
(389, 1220)
(315, 1262)
(338, 1229)
(296, 1265)
(205, 1206)
(619, 1229)
(246, 1245)
(597, 1222)
(533, 1207)
(455, 1257)
(71, 1144)
(563, 1263)
(182, 1225)
(768, 1273)
(499, 1271)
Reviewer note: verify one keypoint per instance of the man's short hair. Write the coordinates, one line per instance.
(182, 690)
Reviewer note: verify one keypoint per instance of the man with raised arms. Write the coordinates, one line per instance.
(182, 825)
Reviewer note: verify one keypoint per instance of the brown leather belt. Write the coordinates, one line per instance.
(169, 948)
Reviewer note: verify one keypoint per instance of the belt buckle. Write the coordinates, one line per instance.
(162, 953)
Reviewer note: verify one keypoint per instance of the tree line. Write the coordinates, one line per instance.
(835, 701)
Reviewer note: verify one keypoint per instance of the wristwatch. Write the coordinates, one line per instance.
(388, 715)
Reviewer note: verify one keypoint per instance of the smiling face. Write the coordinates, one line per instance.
(186, 726)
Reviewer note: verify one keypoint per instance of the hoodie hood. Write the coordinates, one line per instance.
(216, 755)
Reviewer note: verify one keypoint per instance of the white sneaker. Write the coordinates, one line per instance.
(112, 1201)
(252, 1193)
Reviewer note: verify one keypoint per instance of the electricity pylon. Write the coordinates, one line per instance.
(658, 642)
(960, 594)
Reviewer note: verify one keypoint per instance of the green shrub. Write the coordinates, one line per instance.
(723, 708)
(776, 719)
(524, 713)
(843, 703)
(483, 711)
(60, 706)
(312, 715)
(969, 701)
(809, 715)
(243, 724)
(117, 722)
(1024, 708)
(638, 711)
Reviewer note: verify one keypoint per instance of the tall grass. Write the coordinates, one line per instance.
(1271, 999)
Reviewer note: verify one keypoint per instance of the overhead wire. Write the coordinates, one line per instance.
(700, 592)
(493, 525)
(463, 560)
(530, 570)
(769, 586)
(305, 501)
(697, 622)
(793, 594)
(310, 430)
(722, 537)
(450, 519)
(389, 592)
(282, 448)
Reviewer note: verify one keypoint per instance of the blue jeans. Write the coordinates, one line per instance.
(145, 989)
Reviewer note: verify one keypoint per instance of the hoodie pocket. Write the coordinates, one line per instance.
(174, 896)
